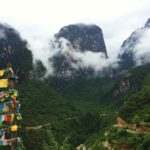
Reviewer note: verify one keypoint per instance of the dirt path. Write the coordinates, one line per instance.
(136, 132)
(47, 124)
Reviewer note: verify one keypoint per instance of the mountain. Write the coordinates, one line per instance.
(71, 73)
(84, 37)
(80, 111)
(122, 104)
(13, 49)
(132, 52)
(75, 42)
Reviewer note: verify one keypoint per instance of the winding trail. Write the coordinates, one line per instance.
(38, 127)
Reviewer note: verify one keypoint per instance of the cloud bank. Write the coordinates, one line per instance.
(38, 20)
(76, 58)
(48, 47)
(142, 49)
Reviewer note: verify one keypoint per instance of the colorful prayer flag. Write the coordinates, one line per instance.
(3, 83)
(2, 72)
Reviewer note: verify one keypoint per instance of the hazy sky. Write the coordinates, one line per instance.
(39, 19)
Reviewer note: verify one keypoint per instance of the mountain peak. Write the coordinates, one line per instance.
(147, 23)
(83, 36)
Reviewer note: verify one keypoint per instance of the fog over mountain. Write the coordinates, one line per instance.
(135, 50)
(38, 25)
(75, 74)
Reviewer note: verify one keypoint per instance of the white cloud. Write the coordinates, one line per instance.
(95, 60)
(142, 48)
(77, 59)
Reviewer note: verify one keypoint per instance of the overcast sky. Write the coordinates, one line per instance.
(40, 19)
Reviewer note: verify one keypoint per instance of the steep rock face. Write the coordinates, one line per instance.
(128, 51)
(14, 50)
(80, 38)
(84, 37)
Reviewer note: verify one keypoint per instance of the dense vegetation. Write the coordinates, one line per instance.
(137, 107)
(84, 112)
(121, 138)
(135, 110)
(82, 88)
(134, 105)
(70, 123)
(42, 104)
(92, 117)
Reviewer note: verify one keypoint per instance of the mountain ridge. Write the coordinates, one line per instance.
(128, 49)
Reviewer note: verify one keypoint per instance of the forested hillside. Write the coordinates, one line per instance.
(132, 127)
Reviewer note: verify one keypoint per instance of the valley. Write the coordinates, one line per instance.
(83, 100)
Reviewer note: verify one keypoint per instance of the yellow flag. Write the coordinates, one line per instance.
(14, 128)
(3, 83)
(11, 70)
(2, 72)
(12, 116)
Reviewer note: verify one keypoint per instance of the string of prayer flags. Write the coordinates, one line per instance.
(9, 109)
(15, 141)
(5, 142)
(13, 92)
(10, 106)
(10, 95)
(12, 128)
(7, 71)
(10, 117)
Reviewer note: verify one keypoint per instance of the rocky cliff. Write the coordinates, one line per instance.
(84, 37)
(14, 50)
